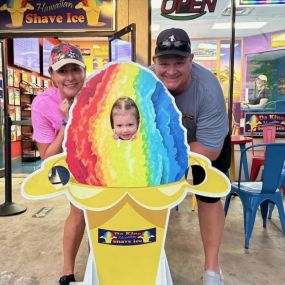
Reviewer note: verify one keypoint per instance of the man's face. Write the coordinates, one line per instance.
(174, 72)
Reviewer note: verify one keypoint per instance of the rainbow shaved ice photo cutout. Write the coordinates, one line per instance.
(158, 155)
(126, 188)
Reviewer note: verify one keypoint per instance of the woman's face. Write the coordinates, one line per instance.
(69, 79)
(260, 83)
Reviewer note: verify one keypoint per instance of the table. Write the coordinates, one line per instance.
(241, 141)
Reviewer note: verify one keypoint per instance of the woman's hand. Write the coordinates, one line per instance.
(64, 108)
(244, 105)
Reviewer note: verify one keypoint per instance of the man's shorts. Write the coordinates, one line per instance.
(222, 163)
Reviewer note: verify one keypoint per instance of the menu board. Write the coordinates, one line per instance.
(47, 47)
(121, 50)
(27, 53)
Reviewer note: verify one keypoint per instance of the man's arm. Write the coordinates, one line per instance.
(199, 148)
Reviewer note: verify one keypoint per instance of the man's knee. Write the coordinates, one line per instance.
(207, 199)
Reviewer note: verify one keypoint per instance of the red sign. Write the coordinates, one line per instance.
(186, 10)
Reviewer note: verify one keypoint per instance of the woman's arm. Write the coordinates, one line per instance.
(262, 102)
(48, 149)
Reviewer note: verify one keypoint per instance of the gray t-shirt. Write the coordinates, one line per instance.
(203, 109)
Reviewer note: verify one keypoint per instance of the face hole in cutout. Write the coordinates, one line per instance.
(196, 176)
(59, 175)
(124, 119)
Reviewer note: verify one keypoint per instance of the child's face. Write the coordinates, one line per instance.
(125, 125)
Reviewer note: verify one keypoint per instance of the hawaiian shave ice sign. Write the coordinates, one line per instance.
(186, 10)
(57, 15)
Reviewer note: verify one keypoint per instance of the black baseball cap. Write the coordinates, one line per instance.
(173, 42)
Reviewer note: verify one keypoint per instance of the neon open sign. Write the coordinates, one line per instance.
(261, 2)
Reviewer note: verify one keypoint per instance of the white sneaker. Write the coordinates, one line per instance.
(213, 278)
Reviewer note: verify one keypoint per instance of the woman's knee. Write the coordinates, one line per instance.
(76, 213)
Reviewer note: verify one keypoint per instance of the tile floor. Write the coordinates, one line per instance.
(31, 248)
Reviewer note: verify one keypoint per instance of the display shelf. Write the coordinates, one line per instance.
(29, 147)
(23, 87)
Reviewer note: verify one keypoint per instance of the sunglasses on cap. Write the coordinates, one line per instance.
(179, 45)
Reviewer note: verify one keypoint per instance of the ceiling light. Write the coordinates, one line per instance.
(205, 57)
(240, 11)
(242, 25)
(207, 46)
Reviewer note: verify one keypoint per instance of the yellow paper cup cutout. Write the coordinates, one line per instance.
(17, 13)
(92, 13)
(126, 188)
(126, 226)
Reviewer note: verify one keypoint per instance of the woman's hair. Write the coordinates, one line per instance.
(124, 104)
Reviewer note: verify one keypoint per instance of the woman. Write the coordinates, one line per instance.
(260, 95)
(49, 118)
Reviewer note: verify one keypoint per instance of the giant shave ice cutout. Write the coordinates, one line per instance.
(126, 188)
(157, 156)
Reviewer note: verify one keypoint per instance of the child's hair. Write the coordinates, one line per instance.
(125, 104)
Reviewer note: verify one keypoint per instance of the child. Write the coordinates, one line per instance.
(125, 119)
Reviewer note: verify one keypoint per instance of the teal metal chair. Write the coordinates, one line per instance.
(282, 183)
(255, 194)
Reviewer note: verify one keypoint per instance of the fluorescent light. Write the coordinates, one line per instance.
(262, 2)
(227, 45)
(242, 25)
(207, 46)
(155, 27)
(205, 57)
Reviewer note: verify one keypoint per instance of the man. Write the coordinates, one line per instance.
(199, 97)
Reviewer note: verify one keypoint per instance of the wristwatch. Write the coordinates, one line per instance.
(64, 123)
